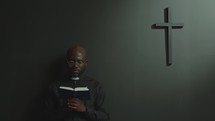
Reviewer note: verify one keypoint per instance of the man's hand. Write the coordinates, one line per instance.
(76, 105)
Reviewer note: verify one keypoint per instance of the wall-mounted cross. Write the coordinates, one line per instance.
(168, 25)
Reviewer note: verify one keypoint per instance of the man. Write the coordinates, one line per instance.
(73, 108)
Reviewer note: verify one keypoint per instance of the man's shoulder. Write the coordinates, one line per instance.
(92, 81)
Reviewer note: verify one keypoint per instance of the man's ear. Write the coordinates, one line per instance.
(86, 63)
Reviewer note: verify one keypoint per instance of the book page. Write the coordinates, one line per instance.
(66, 88)
(76, 89)
(81, 89)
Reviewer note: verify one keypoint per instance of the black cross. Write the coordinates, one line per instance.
(168, 25)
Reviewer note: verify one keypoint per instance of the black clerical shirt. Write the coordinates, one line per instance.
(55, 105)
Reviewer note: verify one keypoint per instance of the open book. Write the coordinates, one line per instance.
(82, 93)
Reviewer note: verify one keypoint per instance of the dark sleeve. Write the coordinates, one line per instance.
(98, 113)
(51, 110)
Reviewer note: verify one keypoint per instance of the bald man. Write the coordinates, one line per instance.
(77, 60)
(74, 108)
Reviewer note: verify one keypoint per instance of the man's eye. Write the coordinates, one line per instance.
(80, 62)
(76, 61)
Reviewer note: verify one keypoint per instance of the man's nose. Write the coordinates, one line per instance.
(76, 64)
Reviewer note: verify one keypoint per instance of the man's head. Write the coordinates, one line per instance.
(77, 60)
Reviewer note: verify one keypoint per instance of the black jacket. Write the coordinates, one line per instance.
(95, 109)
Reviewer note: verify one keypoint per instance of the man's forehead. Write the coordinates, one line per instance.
(76, 54)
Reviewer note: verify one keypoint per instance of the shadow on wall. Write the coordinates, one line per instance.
(55, 72)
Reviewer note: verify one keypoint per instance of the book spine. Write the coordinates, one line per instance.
(74, 88)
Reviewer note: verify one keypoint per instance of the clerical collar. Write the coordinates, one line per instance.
(75, 78)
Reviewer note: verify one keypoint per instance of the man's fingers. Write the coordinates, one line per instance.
(76, 104)
(75, 100)
(73, 107)
(72, 104)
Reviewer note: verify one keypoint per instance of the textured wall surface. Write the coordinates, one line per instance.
(125, 53)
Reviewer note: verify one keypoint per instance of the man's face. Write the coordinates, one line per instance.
(77, 63)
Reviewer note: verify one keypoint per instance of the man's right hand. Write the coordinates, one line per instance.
(76, 104)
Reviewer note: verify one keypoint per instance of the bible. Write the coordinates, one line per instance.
(82, 93)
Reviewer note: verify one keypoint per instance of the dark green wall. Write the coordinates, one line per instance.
(125, 54)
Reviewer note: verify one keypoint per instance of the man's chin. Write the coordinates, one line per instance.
(75, 74)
